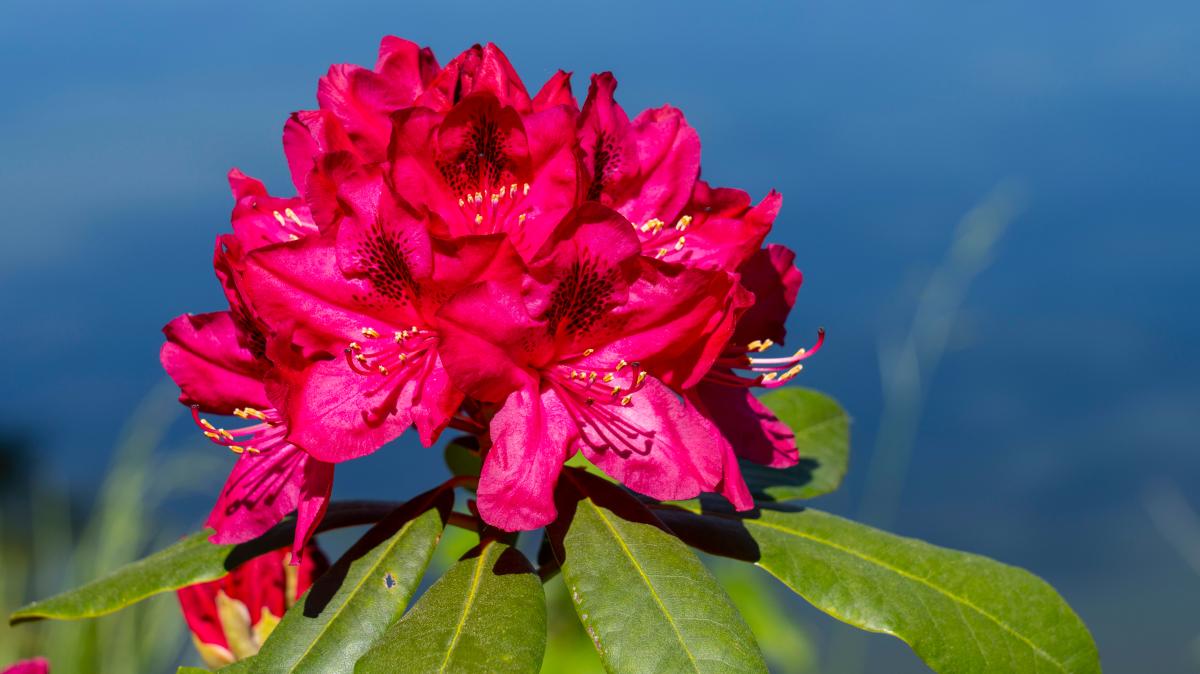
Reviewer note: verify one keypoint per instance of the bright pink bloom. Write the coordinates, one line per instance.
(219, 362)
(581, 355)
(724, 396)
(33, 666)
(356, 316)
(231, 617)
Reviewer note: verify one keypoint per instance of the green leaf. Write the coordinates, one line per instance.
(960, 612)
(822, 430)
(190, 561)
(647, 602)
(365, 591)
(462, 456)
(487, 614)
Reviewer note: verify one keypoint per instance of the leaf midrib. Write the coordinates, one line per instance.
(646, 579)
(917, 579)
(471, 593)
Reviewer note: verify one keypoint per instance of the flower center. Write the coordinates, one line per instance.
(494, 211)
(394, 361)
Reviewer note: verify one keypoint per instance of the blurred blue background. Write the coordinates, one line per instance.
(1058, 430)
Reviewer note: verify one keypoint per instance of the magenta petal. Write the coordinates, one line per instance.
(556, 91)
(753, 430)
(530, 435)
(775, 282)
(204, 358)
(674, 452)
(264, 488)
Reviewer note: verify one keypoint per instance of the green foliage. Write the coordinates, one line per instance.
(487, 614)
(646, 600)
(364, 592)
(959, 612)
(190, 561)
(822, 431)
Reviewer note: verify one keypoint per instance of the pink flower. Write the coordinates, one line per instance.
(581, 355)
(219, 362)
(32, 666)
(356, 318)
(231, 617)
(724, 396)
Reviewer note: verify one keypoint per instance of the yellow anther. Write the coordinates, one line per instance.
(679, 243)
(512, 189)
(293, 237)
(626, 400)
(403, 357)
(225, 434)
(525, 190)
(588, 352)
(608, 377)
(205, 423)
(620, 364)
(792, 372)
(770, 376)
(478, 219)
(382, 370)
(521, 219)
(652, 224)
(479, 197)
(370, 332)
(591, 377)
(574, 374)
(616, 390)
(641, 378)
(211, 436)
(461, 203)
(683, 223)
(249, 412)
(661, 252)
(354, 346)
(292, 216)
(360, 358)
(502, 188)
(495, 199)
(760, 345)
(279, 219)
(236, 449)
(253, 450)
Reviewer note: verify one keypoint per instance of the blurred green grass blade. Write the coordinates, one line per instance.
(350, 606)
(646, 600)
(822, 430)
(961, 613)
(487, 614)
(191, 560)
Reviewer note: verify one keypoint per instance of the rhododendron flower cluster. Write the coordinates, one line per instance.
(552, 278)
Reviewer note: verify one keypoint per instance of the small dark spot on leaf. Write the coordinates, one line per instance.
(389, 581)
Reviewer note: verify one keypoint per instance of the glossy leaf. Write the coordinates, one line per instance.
(647, 602)
(822, 430)
(361, 595)
(462, 456)
(191, 560)
(487, 614)
(960, 612)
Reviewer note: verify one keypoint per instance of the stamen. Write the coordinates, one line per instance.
(683, 223)
(370, 333)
